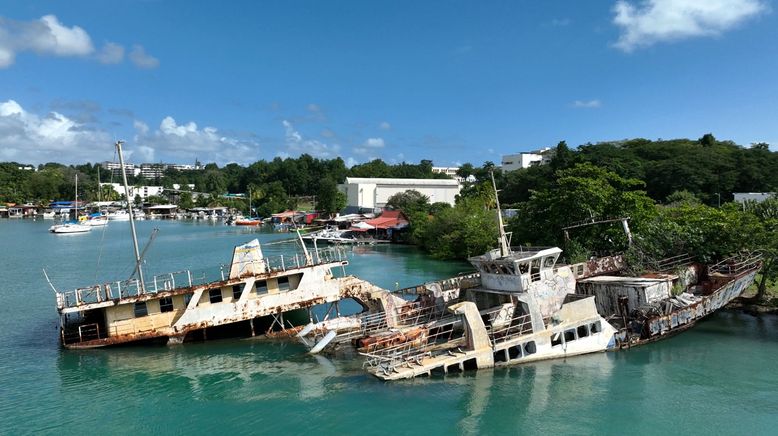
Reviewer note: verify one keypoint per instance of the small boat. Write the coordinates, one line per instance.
(70, 227)
(248, 222)
(96, 220)
(49, 215)
(119, 215)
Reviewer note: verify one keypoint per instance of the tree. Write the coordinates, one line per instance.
(328, 199)
(409, 201)
(583, 193)
(458, 232)
(766, 213)
(185, 200)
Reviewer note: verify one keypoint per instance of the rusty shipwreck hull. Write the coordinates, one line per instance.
(257, 288)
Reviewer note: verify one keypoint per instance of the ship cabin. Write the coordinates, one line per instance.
(176, 307)
(517, 271)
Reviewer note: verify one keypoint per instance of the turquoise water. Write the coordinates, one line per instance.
(718, 378)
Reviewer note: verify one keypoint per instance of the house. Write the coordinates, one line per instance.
(512, 162)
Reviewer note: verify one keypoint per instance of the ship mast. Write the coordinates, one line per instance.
(505, 248)
(138, 268)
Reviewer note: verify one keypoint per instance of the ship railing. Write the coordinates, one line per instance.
(671, 263)
(388, 357)
(517, 326)
(84, 332)
(737, 264)
(416, 313)
(126, 288)
(445, 285)
(282, 263)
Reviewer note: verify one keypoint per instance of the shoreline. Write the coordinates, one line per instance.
(745, 305)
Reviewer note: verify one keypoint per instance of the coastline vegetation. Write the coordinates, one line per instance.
(676, 193)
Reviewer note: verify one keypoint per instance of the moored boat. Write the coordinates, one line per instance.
(70, 227)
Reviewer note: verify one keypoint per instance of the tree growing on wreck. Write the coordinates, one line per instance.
(584, 193)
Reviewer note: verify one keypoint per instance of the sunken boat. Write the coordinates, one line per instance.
(255, 296)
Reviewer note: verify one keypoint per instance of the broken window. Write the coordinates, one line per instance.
(583, 331)
(569, 335)
(595, 327)
(215, 296)
(140, 309)
(187, 299)
(530, 348)
(548, 262)
(283, 283)
(166, 304)
(556, 339)
(237, 291)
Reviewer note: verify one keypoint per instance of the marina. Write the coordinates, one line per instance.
(259, 379)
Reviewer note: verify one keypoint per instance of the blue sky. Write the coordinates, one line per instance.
(449, 81)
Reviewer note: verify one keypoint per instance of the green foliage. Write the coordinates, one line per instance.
(578, 194)
(328, 199)
(680, 198)
(409, 201)
(458, 232)
(185, 200)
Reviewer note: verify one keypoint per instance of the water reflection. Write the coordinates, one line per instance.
(240, 370)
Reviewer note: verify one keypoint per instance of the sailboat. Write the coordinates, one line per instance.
(71, 226)
(99, 218)
(250, 221)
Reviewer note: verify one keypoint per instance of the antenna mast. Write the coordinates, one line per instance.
(505, 249)
(132, 219)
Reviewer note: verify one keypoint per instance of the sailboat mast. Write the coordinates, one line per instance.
(75, 201)
(132, 218)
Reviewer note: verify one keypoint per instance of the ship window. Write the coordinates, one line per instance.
(283, 283)
(569, 335)
(583, 331)
(595, 327)
(548, 262)
(166, 304)
(535, 270)
(140, 309)
(530, 348)
(261, 287)
(556, 339)
(523, 268)
(236, 292)
(187, 299)
(215, 295)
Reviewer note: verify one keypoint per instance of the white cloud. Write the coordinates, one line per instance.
(30, 138)
(385, 126)
(350, 162)
(370, 146)
(187, 142)
(587, 104)
(655, 21)
(296, 144)
(111, 53)
(45, 36)
(374, 143)
(141, 59)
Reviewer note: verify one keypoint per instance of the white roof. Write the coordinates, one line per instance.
(385, 181)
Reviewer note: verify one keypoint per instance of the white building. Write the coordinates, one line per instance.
(143, 191)
(373, 193)
(512, 162)
(449, 171)
(758, 197)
